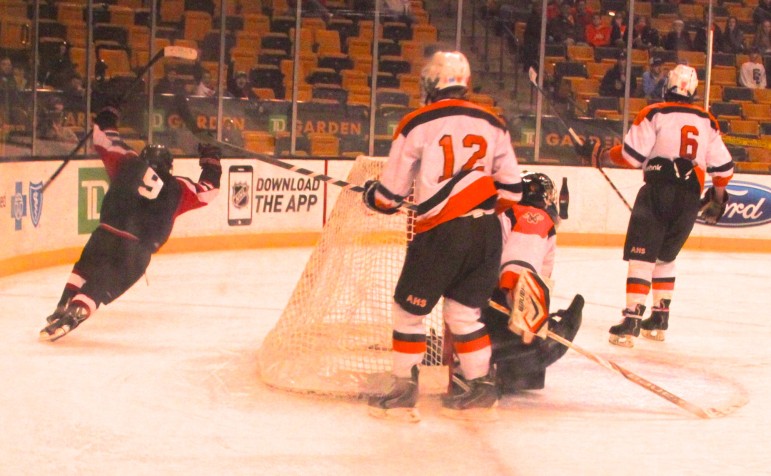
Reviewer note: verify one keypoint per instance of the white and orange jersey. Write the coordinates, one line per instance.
(459, 157)
(529, 243)
(672, 130)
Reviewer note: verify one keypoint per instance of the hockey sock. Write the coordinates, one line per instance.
(663, 282)
(74, 283)
(409, 341)
(638, 283)
(470, 338)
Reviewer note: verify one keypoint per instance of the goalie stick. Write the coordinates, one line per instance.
(180, 52)
(627, 374)
(575, 137)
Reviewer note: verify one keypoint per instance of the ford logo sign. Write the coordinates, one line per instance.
(749, 205)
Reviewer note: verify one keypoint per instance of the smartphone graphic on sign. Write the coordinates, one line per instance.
(240, 195)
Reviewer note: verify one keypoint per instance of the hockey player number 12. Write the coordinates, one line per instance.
(686, 142)
(469, 141)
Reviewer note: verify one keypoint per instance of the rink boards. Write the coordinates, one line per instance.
(263, 205)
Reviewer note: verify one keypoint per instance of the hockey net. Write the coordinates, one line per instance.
(334, 336)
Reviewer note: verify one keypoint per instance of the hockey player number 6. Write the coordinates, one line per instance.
(687, 141)
(151, 185)
(469, 141)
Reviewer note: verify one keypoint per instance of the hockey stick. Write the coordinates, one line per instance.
(575, 137)
(627, 374)
(180, 52)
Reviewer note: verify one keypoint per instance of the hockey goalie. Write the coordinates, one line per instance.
(529, 244)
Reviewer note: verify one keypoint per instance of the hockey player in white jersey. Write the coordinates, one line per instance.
(460, 159)
(677, 144)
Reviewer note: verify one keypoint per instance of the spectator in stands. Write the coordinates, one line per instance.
(532, 37)
(645, 37)
(58, 68)
(762, 12)
(613, 83)
(762, 41)
(51, 125)
(170, 83)
(733, 37)
(241, 88)
(231, 134)
(553, 9)
(583, 16)
(73, 92)
(654, 79)
(561, 29)
(205, 86)
(9, 94)
(21, 77)
(752, 73)
(700, 40)
(597, 34)
(678, 39)
(618, 30)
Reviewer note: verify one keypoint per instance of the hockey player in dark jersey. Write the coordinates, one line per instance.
(677, 144)
(136, 219)
(460, 159)
(529, 246)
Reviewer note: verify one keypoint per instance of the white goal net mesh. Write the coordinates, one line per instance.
(334, 336)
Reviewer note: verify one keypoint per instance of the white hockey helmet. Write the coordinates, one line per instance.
(445, 70)
(682, 81)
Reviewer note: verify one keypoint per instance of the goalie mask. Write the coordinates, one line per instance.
(538, 191)
(681, 84)
(447, 74)
(158, 158)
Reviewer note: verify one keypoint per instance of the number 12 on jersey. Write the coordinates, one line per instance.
(470, 141)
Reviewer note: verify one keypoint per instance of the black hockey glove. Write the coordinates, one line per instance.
(712, 208)
(369, 198)
(210, 155)
(590, 151)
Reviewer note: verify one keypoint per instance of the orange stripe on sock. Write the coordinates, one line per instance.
(472, 345)
(664, 286)
(633, 288)
(409, 347)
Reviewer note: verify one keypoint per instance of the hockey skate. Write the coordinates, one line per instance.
(68, 321)
(474, 399)
(58, 313)
(653, 327)
(623, 334)
(398, 402)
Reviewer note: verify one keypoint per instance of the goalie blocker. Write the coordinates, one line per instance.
(522, 366)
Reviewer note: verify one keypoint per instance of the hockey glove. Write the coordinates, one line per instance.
(712, 208)
(210, 155)
(530, 306)
(370, 186)
(590, 151)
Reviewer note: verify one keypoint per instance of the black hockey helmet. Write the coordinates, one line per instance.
(538, 191)
(159, 158)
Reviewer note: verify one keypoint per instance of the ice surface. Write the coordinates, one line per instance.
(164, 382)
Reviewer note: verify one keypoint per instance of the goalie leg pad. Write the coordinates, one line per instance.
(530, 306)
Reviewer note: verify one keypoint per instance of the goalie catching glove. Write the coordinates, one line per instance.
(530, 306)
(371, 187)
(712, 208)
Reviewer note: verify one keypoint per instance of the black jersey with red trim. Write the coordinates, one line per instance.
(673, 130)
(459, 157)
(139, 204)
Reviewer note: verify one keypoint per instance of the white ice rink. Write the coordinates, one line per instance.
(164, 381)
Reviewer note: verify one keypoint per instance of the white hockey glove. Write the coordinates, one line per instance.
(712, 208)
(530, 306)
(370, 187)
